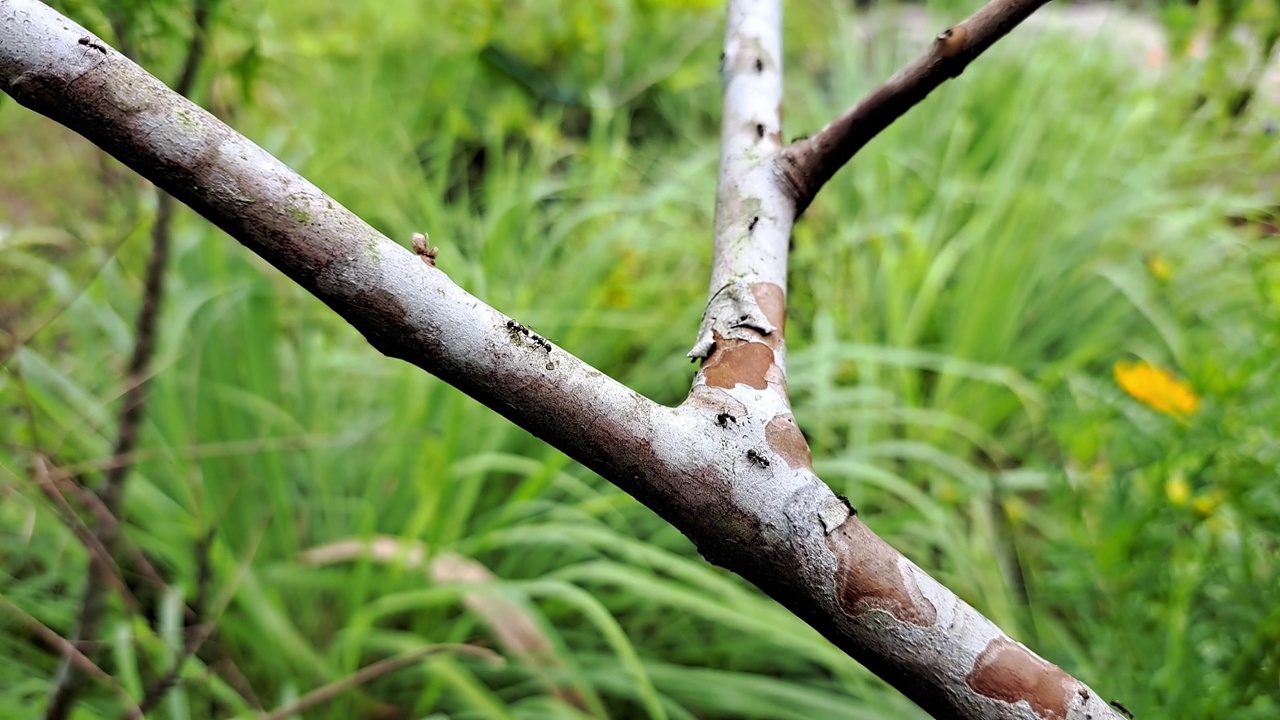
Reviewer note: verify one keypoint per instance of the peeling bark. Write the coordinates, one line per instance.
(729, 467)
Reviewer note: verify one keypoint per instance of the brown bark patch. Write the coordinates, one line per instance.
(1009, 672)
(785, 438)
(717, 401)
(869, 576)
(732, 364)
(773, 302)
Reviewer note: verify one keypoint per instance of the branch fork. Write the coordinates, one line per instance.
(729, 467)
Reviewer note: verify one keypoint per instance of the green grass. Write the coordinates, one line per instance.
(959, 296)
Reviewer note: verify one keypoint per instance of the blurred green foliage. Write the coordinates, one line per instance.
(1228, 44)
(960, 296)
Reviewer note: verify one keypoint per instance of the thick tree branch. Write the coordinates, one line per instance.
(809, 163)
(728, 467)
(406, 307)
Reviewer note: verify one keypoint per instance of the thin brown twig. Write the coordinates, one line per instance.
(66, 686)
(68, 649)
(211, 612)
(227, 671)
(809, 163)
(196, 634)
(63, 481)
(47, 480)
(160, 686)
(325, 693)
(54, 481)
(201, 12)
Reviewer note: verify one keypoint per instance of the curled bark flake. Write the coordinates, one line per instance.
(848, 505)
(870, 576)
(1007, 671)
(785, 439)
(772, 301)
(733, 312)
(833, 512)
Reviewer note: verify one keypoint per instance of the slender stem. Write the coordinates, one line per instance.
(372, 672)
(62, 645)
(67, 684)
(93, 600)
(809, 163)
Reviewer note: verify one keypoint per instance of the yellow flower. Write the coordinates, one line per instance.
(1206, 503)
(1159, 268)
(949, 494)
(1178, 490)
(1156, 388)
(1015, 509)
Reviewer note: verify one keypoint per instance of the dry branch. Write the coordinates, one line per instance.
(67, 683)
(809, 163)
(66, 647)
(513, 626)
(369, 673)
(93, 596)
(728, 467)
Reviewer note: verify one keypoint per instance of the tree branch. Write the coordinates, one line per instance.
(199, 626)
(752, 223)
(809, 163)
(729, 468)
(48, 480)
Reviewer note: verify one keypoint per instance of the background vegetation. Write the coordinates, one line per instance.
(1034, 335)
